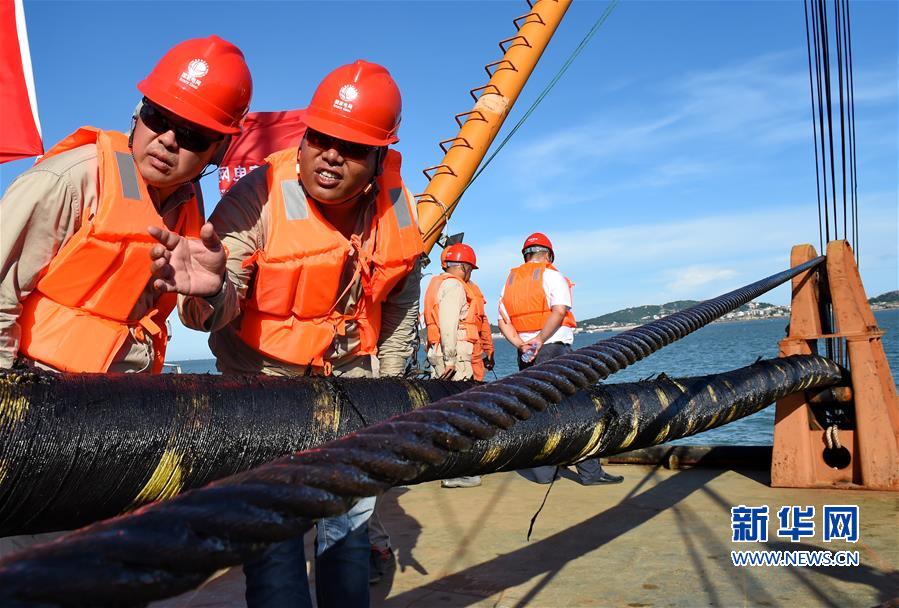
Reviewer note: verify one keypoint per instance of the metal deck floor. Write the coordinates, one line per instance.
(661, 538)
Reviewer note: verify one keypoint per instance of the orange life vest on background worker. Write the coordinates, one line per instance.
(78, 316)
(467, 326)
(525, 300)
(484, 345)
(291, 313)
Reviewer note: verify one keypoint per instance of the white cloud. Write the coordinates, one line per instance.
(702, 125)
(686, 280)
(875, 86)
(655, 262)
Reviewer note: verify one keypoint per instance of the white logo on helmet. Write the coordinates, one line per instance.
(347, 94)
(196, 70)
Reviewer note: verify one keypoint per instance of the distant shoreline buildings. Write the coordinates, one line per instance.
(750, 312)
(628, 318)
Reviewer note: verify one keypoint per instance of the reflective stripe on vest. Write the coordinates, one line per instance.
(468, 326)
(295, 205)
(291, 313)
(525, 299)
(78, 316)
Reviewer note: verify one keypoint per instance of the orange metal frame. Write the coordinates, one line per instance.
(478, 127)
(802, 457)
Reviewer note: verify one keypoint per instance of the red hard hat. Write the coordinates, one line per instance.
(460, 252)
(357, 102)
(538, 239)
(203, 80)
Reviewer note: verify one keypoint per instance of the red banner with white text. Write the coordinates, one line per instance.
(20, 129)
(263, 133)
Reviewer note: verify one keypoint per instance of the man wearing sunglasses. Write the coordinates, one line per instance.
(75, 283)
(321, 276)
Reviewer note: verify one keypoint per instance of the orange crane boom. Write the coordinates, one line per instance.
(478, 127)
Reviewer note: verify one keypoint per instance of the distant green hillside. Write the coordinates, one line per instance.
(645, 313)
(642, 314)
(890, 297)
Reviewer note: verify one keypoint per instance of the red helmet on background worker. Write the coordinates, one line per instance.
(460, 252)
(538, 239)
(357, 102)
(203, 80)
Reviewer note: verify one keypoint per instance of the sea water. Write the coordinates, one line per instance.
(716, 348)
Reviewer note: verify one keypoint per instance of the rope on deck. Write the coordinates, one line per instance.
(169, 547)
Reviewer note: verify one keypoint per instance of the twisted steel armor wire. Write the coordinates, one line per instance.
(169, 547)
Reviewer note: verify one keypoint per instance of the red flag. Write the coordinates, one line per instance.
(20, 129)
(263, 133)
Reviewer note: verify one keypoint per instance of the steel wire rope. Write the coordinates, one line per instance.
(840, 8)
(837, 17)
(819, 103)
(808, 46)
(825, 63)
(171, 546)
(822, 77)
(852, 133)
(847, 135)
(577, 51)
(818, 37)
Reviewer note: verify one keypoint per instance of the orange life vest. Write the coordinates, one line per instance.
(468, 325)
(291, 313)
(479, 304)
(525, 300)
(78, 316)
(485, 343)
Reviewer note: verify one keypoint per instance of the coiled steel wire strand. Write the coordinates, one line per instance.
(169, 547)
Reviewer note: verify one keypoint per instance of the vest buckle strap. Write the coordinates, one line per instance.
(147, 326)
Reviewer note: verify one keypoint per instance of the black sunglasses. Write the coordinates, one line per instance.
(347, 149)
(188, 138)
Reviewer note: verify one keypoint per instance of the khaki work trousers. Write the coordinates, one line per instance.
(463, 361)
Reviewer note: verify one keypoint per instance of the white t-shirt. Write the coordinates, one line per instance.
(558, 293)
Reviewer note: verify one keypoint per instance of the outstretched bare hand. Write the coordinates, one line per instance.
(192, 267)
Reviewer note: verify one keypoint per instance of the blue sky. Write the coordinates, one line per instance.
(674, 159)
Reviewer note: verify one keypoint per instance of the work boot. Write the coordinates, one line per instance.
(591, 473)
(461, 482)
(602, 478)
(380, 560)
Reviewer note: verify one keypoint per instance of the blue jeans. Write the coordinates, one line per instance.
(587, 469)
(277, 578)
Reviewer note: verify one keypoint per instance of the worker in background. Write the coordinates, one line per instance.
(535, 316)
(314, 269)
(453, 322)
(482, 359)
(75, 286)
